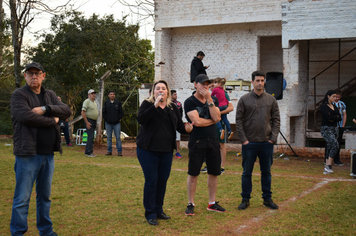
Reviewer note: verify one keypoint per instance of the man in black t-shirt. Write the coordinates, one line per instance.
(201, 110)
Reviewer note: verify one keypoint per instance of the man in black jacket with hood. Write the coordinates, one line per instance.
(35, 113)
(113, 113)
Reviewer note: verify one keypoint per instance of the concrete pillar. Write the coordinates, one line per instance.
(162, 54)
(293, 107)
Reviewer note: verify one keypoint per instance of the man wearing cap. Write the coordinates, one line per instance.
(204, 112)
(90, 114)
(35, 114)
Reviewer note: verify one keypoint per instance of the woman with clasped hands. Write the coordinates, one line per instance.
(159, 119)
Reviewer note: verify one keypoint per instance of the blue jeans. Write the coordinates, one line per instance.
(250, 151)
(90, 142)
(66, 132)
(27, 170)
(117, 131)
(156, 168)
(224, 118)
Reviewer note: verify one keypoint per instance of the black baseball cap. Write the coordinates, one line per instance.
(202, 78)
(34, 65)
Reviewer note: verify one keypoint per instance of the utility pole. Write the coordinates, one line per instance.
(99, 102)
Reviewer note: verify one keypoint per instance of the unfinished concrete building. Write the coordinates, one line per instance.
(312, 42)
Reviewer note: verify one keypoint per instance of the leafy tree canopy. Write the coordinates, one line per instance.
(80, 50)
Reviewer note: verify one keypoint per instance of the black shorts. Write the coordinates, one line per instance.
(205, 148)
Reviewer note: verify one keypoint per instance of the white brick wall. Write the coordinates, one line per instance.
(307, 19)
(187, 13)
(229, 33)
(229, 50)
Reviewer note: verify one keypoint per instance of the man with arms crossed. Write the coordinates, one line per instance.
(257, 125)
(35, 113)
(201, 111)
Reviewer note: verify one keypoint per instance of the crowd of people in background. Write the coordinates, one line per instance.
(41, 113)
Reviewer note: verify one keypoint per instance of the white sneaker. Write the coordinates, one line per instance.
(327, 169)
(326, 173)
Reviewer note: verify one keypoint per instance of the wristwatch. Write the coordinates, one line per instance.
(211, 104)
(43, 109)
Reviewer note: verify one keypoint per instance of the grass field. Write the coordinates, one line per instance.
(103, 196)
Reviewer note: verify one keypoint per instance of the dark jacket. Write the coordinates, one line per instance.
(329, 116)
(257, 118)
(112, 112)
(25, 122)
(196, 68)
(150, 119)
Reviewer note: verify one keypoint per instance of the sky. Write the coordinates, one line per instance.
(89, 7)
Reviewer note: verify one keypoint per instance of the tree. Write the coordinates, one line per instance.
(80, 50)
(22, 14)
(144, 9)
(7, 82)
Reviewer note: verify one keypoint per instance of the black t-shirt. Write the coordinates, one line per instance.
(46, 136)
(164, 137)
(192, 103)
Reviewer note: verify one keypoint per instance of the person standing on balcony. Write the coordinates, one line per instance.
(197, 67)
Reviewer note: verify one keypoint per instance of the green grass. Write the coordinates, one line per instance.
(103, 196)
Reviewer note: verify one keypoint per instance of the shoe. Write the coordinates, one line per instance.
(244, 204)
(178, 155)
(328, 169)
(338, 163)
(204, 170)
(270, 204)
(215, 207)
(222, 134)
(69, 145)
(163, 216)
(119, 154)
(90, 155)
(108, 154)
(222, 171)
(229, 135)
(326, 173)
(152, 221)
(190, 210)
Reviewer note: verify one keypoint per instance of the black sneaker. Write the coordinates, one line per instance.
(204, 170)
(244, 204)
(229, 135)
(215, 207)
(338, 163)
(190, 210)
(163, 216)
(270, 204)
